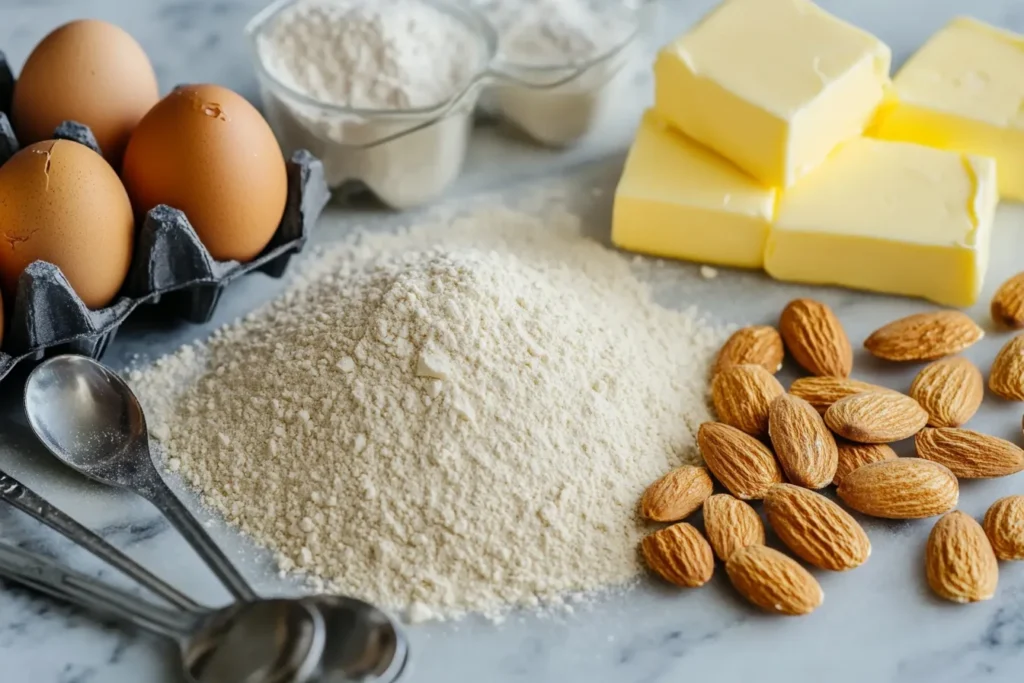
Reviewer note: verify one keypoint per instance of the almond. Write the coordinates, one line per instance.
(743, 464)
(680, 555)
(731, 524)
(876, 417)
(1004, 526)
(676, 495)
(817, 530)
(803, 444)
(854, 455)
(816, 339)
(742, 396)
(772, 581)
(822, 392)
(754, 345)
(969, 454)
(1006, 378)
(1008, 303)
(924, 336)
(904, 488)
(959, 562)
(950, 390)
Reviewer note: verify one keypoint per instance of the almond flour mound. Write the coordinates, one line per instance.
(457, 418)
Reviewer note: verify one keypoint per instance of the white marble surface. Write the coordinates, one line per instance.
(878, 623)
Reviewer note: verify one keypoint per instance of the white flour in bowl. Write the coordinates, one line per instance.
(460, 417)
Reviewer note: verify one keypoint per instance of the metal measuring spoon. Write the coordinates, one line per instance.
(86, 415)
(268, 641)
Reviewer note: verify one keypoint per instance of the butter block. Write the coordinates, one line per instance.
(964, 91)
(891, 217)
(681, 200)
(772, 85)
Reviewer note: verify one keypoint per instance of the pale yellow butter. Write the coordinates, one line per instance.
(681, 200)
(772, 85)
(889, 217)
(964, 91)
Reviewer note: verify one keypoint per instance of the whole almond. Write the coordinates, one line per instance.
(676, 495)
(959, 562)
(1008, 303)
(742, 396)
(1006, 379)
(772, 581)
(969, 454)
(924, 336)
(1004, 526)
(731, 524)
(822, 392)
(904, 488)
(680, 555)
(853, 455)
(876, 417)
(754, 345)
(950, 390)
(744, 465)
(817, 530)
(803, 444)
(816, 339)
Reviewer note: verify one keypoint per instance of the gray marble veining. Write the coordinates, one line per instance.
(878, 624)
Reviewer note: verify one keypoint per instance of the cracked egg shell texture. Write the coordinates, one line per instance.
(87, 71)
(205, 150)
(61, 202)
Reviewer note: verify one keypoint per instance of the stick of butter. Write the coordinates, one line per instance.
(963, 91)
(772, 85)
(681, 200)
(890, 217)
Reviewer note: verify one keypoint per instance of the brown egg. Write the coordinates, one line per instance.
(61, 202)
(87, 71)
(207, 151)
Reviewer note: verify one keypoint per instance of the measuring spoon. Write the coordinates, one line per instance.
(88, 417)
(267, 641)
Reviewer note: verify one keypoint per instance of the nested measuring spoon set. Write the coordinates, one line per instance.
(88, 418)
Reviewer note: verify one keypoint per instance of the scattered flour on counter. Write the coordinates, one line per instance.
(384, 54)
(456, 418)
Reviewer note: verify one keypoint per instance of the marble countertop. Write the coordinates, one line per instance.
(879, 623)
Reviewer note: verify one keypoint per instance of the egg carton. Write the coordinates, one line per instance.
(170, 266)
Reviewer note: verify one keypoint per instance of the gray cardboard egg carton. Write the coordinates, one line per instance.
(170, 266)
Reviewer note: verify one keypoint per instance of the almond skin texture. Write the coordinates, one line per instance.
(876, 417)
(744, 465)
(817, 530)
(1004, 526)
(1006, 378)
(969, 454)
(676, 495)
(773, 581)
(816, 339)
(904, 488)
(959, 561)
(754, 345)
(822, 392)
(1008, 303)
(803, 444)
(950, 390)
(854, 455)
(731, 524)
(680, 555)
(742, 396)
(924, 336)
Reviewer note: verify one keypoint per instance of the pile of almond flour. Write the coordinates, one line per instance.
(457, 418)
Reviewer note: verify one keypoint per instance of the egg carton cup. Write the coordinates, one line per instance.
(170, 267)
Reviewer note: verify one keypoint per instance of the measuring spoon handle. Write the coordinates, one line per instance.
(160, 495)
(52, 578)
(26, 500)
